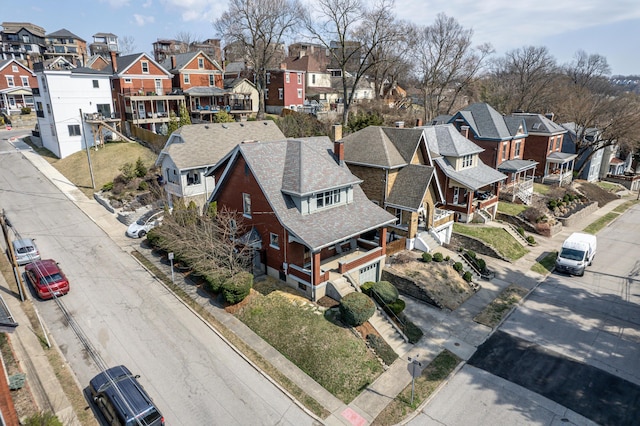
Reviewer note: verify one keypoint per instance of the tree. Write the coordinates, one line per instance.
(259, 27)
(184, 118)
(352, 31)
(127, 45)
(522, 80)
(445, 63)
(186, 39)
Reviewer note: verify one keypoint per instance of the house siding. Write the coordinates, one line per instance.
(538, 147)
(373, 182)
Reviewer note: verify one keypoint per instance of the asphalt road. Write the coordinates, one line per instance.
(129, 318)
(569, 354)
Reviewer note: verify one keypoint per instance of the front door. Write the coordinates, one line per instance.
(141, 110)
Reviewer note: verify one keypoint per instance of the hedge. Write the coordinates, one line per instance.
(366, 287)
(356, 308)
(382, 349)
(237, 287)
(426, 257)
(386, 291)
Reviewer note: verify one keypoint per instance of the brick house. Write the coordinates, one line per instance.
(503, 139)
(471, 188)
(311, 221)
(63, 43)
(16, 84)
(398, 174)
(544, 145)
(284, 89)
(142, 92)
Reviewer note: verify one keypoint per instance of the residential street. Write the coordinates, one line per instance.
(568, 354)
(129, 318)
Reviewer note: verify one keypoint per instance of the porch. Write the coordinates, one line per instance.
(151, 108)
(519, 184)
(558, 169)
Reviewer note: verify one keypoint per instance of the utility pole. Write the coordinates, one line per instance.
(414, 361)
(84, 137)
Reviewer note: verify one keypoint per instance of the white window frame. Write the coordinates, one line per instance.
(193, 177)
(456, 195)
(186, 79)
(246, 205)
(10, 81)
(127, 80)
(505, 151)
(74, 130)
(274, 241)
(200, 63)
(25, 81)
(467, 161)
(280, 93)
(266, 93)
(328, 198)
(145, 67)
(212, 80)
(299, 78)
(299, 93)
(14, 68)
(286, 77)
(268, 78)
(517, 147)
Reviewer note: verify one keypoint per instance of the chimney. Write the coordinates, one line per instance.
(283, 66)
(336, 132)
(338, 150)
(174, 63)
(464, 131)
(399, 124)
(114, 62)
(419, 122)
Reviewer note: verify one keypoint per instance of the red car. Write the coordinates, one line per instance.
(47, 278)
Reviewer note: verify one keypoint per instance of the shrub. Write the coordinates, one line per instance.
(143, 185)
(141, 169)
(457, 267)
(386, 291)
(447, 258)
(25, 110)
(426, 257)
(42, 419)
(521, 230)
(471, 254)
(481, 264)
(128, 172)
(396, 306)
(107, 186)
(467, 276)
(366, 287)
(236, 288)
(438, 257)
(382, 349)
(411, 330)
(531, 240)
(552, 204)
(356, 308)
(213, 281)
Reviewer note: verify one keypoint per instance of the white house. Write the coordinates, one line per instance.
(62, 94)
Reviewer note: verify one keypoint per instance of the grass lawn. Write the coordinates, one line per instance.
(497, 238)
(540, 188)
(600, 223)
(608, 186)
(544, 266)
(512, 209)
(328, 353)
(432, 376)
(498, 308)
(625, 206)
(105, 162)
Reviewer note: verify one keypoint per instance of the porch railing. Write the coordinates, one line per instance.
(360, 260)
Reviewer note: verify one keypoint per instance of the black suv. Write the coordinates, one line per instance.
(122, 399)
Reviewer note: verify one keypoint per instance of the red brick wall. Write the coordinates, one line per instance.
(537, 149)
(491, 150)
(17, 76)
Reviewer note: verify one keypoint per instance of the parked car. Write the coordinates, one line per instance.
(122, 400)
(147, 222)
(25, 250)
(577, 253)
(47, 278)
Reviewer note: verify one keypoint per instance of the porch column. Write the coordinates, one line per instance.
(383, 240)
(315, 269)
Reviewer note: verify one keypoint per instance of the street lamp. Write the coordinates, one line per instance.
(414, 361)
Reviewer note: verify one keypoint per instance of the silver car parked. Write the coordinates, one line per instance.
(25, 250)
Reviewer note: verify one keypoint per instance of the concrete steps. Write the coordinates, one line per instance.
(389, 333)
(426, 242)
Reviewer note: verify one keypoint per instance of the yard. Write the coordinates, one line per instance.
(328, 352)
(497, 238)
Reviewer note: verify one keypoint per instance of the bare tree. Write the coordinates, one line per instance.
(127, 45)
(186, 39)
(589, 71)
(522, 80)
(260, 27)
(445, 63)
(352, 31)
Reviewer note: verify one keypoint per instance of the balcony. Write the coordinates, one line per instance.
(441, 216)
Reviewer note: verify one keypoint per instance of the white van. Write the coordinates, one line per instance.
(577, 252)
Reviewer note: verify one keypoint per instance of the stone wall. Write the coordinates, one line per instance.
(408, 287)
(470, 243)
(516, 221)
(584, 212)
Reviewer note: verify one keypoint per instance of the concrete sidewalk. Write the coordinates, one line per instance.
(455, 331)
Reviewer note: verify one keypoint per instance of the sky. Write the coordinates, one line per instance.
(610, 28)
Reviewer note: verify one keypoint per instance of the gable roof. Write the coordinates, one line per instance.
(444, 139)
(410, 187)
(385, 147)
(539, 124)
(183, 59)
(125, 62)
(473, 178)
(268, 162)
(63, 33)
(201, 145)
(4, 63)
(485, 122)
(305, 63)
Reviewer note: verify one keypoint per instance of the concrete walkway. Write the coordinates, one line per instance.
(455, 331)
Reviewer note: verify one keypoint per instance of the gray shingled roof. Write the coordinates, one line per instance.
(124, 62)
(473, 177)
(205, 91)
(410, 187)
(269, 161)
(305, 170)
(182, 59)
(87, 70)
(485, 122)
(445, 139)
(64, 33)
(560, 157)
(386, 147)
(200, 145)
(513, 166)
(539, 124)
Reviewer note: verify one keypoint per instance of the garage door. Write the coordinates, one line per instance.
(369, 273)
